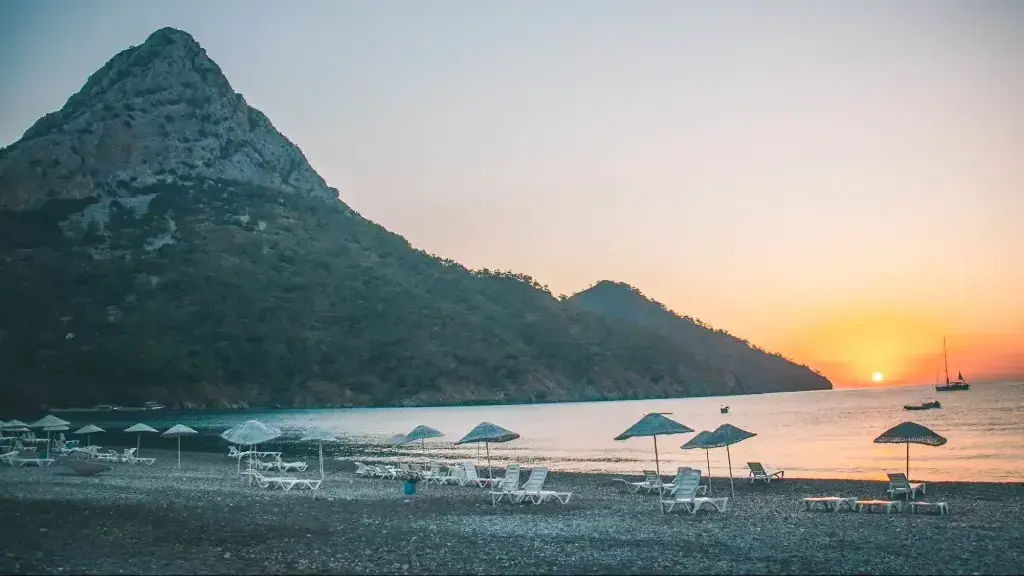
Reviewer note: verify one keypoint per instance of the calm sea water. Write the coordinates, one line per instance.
(826, 434)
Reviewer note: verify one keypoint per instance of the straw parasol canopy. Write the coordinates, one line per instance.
(319, 435)
(654, 424)
(138, 429)
(48, 423)
(488, 433)
(250, 433)
(56, 429)
(726, 435)
(177, 431)
(397, 439)
(15, 425)
(704, 440)
(910, 433)
(89, 430)
(422, 433)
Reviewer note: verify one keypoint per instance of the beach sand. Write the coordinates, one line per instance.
(155, 520)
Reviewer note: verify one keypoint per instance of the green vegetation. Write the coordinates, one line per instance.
(278, 299)
(752, 368)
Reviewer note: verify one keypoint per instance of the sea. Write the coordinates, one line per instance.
(820, 434)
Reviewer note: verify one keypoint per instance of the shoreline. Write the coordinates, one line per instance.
(204, 519)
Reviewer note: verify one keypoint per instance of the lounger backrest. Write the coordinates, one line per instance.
(470, 470)
(536, 480)
(416, 467)
(899, 480)
(687, 483)
(682, 472)
(652, 478)
(510, 482)
(757, 469)
(404, 466)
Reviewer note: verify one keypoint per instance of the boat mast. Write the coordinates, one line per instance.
(945, 360)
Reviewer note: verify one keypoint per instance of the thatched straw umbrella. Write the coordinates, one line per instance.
(320, 436)
(654, 424)
(49, 421)
(487, 433)
(177, 431)
(910, 433)
(89, 430)
(704, 440)
(727, 435)
(250, 433)
(138, 429)
(421, 433)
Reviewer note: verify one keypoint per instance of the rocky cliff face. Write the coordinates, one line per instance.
(154, 113)
(161, 241)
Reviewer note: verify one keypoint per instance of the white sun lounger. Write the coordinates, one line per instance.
(899, 484)
(758, 472)
(471, 477)
(287, 483)
(364, 470)
(131, 458)
(650, 483)
(686, 495)
(508, 487)
(702, 489)
(10, 457)
(280, 465)
(40, 462)
(108, 456)
(438, 476)
(284, 482)
(533, 489)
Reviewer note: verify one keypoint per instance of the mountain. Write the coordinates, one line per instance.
(162, 241)
(754, 369)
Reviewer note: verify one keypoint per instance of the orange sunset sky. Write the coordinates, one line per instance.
(838, 181)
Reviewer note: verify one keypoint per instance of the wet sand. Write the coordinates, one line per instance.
(155, 520)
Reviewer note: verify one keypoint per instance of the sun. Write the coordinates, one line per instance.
(877, 377)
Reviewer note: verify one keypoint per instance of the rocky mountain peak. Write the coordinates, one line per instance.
(154, 113)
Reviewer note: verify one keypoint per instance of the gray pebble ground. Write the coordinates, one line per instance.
(156, 520)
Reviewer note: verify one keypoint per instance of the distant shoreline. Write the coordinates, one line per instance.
(467, 404)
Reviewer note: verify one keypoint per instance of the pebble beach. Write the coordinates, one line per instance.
(139, 519)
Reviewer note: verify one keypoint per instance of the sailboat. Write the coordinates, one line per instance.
(955, 385)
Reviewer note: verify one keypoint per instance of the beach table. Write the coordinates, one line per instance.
(886, 506)
(941, 507)
(832, 503)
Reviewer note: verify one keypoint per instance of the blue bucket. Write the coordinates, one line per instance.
(410, 487)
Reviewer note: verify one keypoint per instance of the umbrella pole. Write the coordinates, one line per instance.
(138, 443)
(657, 465)
(48, 444)
(707, 453)
(908, 461)
(179, 453)
(321, 459)
(487, 446)
(732, 486)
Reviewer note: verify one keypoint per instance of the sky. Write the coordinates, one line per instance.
(838, 181)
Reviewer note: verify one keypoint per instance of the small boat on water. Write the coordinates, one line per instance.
(152, 406)
(724, 409)
(925, 406)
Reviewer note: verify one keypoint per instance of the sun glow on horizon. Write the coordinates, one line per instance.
(877, 377)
